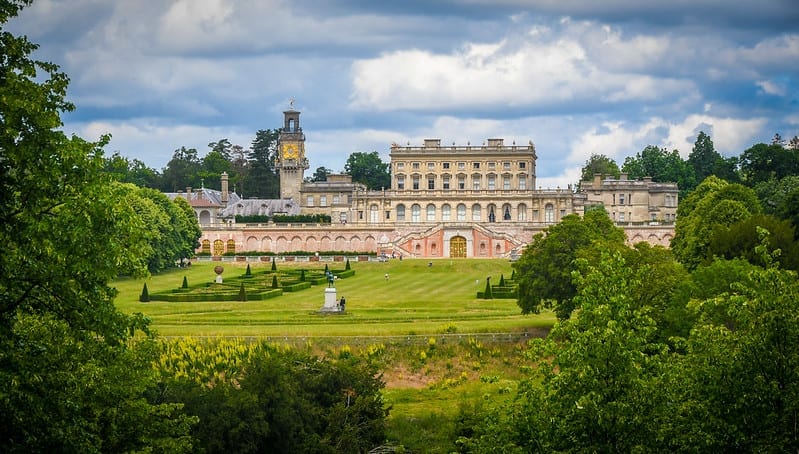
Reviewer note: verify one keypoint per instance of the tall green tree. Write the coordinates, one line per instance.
(703, 156)
(369, 169)
(544, 270)
(662, 166)
(761, 163)
(737, 386)
(182, 171)
(714, 203)
(320, 174)
(599, 164)
(262, 179)
(592, 387)
(65, 378)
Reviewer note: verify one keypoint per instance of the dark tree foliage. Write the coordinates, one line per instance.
(714, 203)
(742, 240)
(761, 163)
(69, 379)
(289, 402)
(662, 166)
(320, 174)
(182, 171)
(601, 165)
(263, 180)
(369, 169)
(544, 271)
(703, 157)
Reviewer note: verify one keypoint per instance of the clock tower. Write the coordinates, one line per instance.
(291, 161)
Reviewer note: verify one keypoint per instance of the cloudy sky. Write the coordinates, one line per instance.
(576, 77)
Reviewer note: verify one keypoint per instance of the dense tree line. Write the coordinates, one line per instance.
(77, 375)
(694, 348)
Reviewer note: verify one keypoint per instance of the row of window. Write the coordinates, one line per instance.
(461, 165)
(309, 201)
(670, 201)
(493, 214)
(476, 182)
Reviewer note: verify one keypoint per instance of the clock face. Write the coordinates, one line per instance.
(290, 151)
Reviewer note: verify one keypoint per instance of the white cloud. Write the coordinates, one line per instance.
(772, 88)
(731, 136)
(546, 67)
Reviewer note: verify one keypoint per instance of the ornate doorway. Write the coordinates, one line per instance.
(457, 246)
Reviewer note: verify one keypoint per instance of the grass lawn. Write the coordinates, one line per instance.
(427, 380)
(416, 299)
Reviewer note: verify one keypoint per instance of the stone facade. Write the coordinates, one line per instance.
(444, 201)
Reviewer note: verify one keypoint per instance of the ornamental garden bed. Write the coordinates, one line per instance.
(249, 286)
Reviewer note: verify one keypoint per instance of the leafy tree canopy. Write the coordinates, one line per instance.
(544, 269)
(369, 169)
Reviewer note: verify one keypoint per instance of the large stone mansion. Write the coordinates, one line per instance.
(444, 201)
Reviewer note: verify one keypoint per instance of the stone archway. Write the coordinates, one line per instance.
(457, 246)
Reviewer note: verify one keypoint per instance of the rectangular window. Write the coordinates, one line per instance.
(522, 165)
(506, 183)
(322, 200)
(415, 183)
(461, 165)
(461, 182)
(415, 166)
(492, 165)
(336, 200)
(491, 183)
(475, 165)
(562, 214)
(506, 165)
(445, 165)
(431, 183)
(388, 215)
(431, 166)
(446, 182)
(621, 199)
(476, 183)
(400, 183)
(309, 201)
(400, 165)
(535, 215)
(522, 182)
(621, 216)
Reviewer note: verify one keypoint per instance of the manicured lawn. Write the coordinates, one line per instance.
(416, 299)
(426, 381)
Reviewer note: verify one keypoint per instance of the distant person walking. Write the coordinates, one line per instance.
(342, 303)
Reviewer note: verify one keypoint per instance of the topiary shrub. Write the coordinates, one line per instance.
(347, 265)
(274, 281)
(326, 268)
(302, 276)
(145, 295)
(274, 266)
(249, 271)
(487, 293)
(242, 293)
(185, 283)
(501, 280)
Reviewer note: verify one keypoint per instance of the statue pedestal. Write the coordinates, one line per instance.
(331, 302)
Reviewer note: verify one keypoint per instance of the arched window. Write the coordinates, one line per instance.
(476, 212)
(445, 212)
(401, 212)
(373, 214)
(431, 212)
(549, 213)
(521, 212)
(461, 212)
(506, 212)
(416, 213)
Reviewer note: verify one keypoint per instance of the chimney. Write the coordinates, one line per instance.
(224, 188)
(597, 180)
